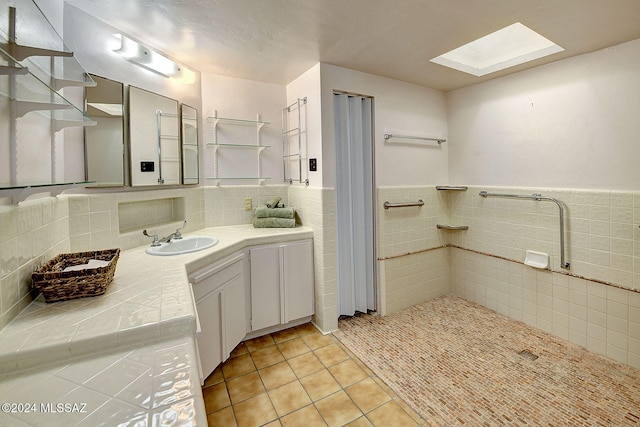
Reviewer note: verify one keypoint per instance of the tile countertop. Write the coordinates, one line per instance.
(147, 309)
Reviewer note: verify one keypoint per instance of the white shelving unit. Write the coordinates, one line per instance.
(216, 122)
(32, 78)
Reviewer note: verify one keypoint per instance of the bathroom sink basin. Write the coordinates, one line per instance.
(183, 246)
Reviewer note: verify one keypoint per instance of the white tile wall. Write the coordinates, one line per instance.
(316, 208)
(602, 245)
(224, 205)
(30, 234)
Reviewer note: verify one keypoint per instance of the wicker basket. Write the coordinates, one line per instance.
(58, 285)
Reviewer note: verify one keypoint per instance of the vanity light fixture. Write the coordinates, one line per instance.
(510, 46)
(146, 58)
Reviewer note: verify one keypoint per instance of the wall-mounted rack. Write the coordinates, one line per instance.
(292, 129)
(388, 136)
(539, 197)
(388, 205)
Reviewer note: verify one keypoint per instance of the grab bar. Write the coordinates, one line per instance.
(388, 205)
(539, 197)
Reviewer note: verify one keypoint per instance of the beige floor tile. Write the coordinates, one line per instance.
(409, 411)
(284, 335)
(338, 409)
(360, 422)
(307, 328)
(305, 364)
(245, 387)
(390, 414)
(307, 417)
(259, 342)
(315, 341)
(239, 350)
(277, 375)
(367, 395)
(293, 347)
(223, 417)
(267, 356)
(274, 423)
(347, 373)
(320, 384)
(215, 377)
(216, 397)
(255, 412)
(237, 366)
(289, 398)
(331, 355)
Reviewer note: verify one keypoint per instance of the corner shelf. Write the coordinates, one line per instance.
(452, 227)
(258, 123)
(451, 188)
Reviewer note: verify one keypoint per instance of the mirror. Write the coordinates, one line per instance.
(189, 144)
(104, 142)
(154, 138)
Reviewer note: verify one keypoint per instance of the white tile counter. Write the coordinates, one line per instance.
(108, 349)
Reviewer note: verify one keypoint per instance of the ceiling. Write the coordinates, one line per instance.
(277, 40)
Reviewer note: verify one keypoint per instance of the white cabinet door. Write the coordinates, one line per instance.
(209, 340)
(233, 306)
(265, 287)
(298, 280)
(219, 291)
(281, 283)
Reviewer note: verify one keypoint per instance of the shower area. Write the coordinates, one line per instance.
(473, 333)
(464, 312)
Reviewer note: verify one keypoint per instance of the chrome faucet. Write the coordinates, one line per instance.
(173, 236)
(155, 242)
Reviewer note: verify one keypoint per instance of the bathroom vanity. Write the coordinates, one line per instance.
(130, 354)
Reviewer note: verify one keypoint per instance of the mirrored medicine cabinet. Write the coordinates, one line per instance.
(104, 142)
(159, 148)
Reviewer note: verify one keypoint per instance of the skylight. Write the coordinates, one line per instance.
(510, 46)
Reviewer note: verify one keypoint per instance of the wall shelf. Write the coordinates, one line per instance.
(451, 188)
(258, 124)
(452, 227)
(34, 76)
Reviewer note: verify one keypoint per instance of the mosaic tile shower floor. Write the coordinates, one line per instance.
(458, 363)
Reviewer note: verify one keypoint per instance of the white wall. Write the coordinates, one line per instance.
(398, 107)
(571, 124)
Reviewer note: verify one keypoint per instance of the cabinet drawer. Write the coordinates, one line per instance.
(210, 278)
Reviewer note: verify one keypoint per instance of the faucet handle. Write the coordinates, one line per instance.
(177, 234)
(155, 242)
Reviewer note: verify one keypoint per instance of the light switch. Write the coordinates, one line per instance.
(248, 204)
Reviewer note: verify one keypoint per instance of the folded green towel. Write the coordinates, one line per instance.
(274, 223)
(272, 203)
(264, 212)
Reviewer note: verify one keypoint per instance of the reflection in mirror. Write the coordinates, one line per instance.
(154, 138)
(189, 145)
(104, 143)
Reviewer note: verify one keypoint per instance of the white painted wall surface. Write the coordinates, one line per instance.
(570, 124)
(398, 107)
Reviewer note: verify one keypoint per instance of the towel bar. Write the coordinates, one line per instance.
(388, 205)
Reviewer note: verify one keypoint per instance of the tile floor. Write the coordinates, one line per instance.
(299, 377)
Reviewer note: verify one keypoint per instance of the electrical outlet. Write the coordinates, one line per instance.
(248, 204)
